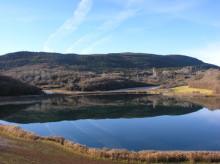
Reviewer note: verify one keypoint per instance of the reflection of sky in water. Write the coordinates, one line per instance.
(196, 131)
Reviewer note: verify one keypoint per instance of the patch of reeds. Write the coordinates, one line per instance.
(120, 154)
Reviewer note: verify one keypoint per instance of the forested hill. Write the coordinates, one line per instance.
(13, 87)
(97, 62)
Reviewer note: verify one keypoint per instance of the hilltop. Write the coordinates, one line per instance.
(99, 62)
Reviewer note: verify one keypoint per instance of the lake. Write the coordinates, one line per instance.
(133, 122)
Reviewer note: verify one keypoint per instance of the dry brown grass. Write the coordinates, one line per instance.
(120, 154)
(207, 80)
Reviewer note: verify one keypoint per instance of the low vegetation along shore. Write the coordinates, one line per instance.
(14, 150)
(114, 154)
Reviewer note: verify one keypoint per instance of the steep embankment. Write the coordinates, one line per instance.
(12, 87)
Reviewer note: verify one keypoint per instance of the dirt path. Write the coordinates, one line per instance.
(17, 151)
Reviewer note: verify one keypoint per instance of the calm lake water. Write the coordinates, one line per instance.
(133, 122)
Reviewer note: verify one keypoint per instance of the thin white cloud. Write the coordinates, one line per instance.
(83, 39)
(209, 53)
(171, 6)
(72, 23)
(190, 10)
(128, 11)
(162, 6)
(92, 46)
(110, 24)
(115, 22)
(132, 7)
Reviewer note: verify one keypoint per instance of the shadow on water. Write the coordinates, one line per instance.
(95, 107)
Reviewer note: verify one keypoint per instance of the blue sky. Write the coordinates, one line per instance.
(189, 27)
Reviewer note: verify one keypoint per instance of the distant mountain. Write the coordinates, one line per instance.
(99, 62)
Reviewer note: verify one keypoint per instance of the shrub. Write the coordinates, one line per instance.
(108, 83)
(209, 80)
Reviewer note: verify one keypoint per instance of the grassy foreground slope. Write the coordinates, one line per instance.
(36, 149)
(18, 151)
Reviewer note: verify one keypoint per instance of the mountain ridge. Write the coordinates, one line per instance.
(106, 62)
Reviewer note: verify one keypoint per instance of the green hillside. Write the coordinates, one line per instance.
(100, 62)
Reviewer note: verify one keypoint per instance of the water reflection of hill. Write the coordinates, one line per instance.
(212, 103)
(96, 107)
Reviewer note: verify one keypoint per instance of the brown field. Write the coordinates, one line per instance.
(26, 151)
(36, 149)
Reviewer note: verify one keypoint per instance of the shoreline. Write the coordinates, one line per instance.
(184, 91)
(53, 93)
(115, 155)
(27, 99)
